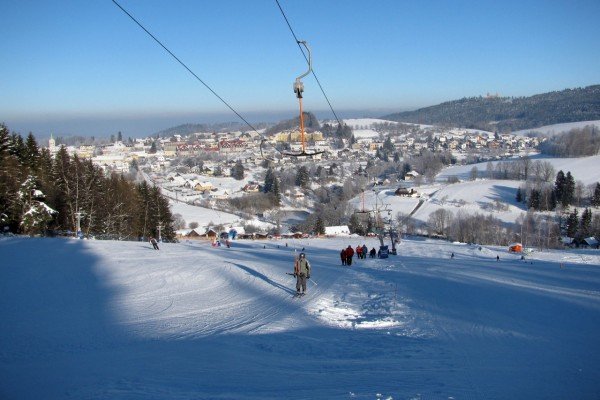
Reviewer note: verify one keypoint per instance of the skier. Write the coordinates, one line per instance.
(154, 243)
(373, 252)
(358, 252)
(302, 273)
(349, 254)
(452, 255)
(497, 258)
(343, 256)
(365, 250)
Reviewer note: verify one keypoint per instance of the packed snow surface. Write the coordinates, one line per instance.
(118, 320)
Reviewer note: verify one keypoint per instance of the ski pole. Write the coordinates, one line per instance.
(313, 282)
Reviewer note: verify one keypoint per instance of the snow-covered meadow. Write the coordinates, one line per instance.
(479, 196)
(105, 319)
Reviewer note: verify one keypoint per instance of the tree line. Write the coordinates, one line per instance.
(510, 113)
(575, 143)
(41, 194)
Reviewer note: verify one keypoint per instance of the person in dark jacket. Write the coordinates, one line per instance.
(349, 255)
(302, 272)
(373, 252)
(365, 250)
(343, 256)
(154, 243)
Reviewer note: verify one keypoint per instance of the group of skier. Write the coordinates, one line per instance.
(361, 253)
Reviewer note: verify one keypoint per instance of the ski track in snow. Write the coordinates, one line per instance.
(120, 320)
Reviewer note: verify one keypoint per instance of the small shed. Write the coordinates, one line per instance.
(515, 248)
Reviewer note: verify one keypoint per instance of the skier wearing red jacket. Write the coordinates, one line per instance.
(349, 255)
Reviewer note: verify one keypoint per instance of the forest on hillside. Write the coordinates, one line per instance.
(42, 194)
(505, 114)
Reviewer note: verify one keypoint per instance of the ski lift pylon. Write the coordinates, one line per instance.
(299, 89)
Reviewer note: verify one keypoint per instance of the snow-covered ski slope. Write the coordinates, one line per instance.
(118, 320)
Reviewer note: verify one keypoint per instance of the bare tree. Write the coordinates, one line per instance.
(439, 221)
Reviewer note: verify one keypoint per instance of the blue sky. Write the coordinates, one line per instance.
(68, 62)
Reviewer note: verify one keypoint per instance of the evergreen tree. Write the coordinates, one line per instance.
(302, 177)
(569, 190)
(388, 146)
(237, 172)
(269, 177)
(519, 196)
(35, 213)
(119, 136)
(585, 224)
(319, 226)
(152, 148)
(276, 192)
(572, 224)
(596, 196)
(534, 199)
(32, 154)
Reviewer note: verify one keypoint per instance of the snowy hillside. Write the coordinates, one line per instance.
(559, 128)
(118, 320)
(478, 196)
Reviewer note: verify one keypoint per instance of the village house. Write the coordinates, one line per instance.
(231, 146)
(411, 175)
(251, 187)
(203, 186)
(405, 192)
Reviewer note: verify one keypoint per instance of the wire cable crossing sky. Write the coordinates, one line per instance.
(78, 67)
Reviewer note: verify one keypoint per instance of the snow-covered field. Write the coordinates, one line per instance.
(479, 196)
(118, 320)
(559, 128)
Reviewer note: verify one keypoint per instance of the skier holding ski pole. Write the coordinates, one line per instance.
(302, 273)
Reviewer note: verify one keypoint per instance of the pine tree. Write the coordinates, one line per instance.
(276, 192)
(534, 199)
(388, 146)
(569, 190)
(572, 224)
(559, 186)
(319, 226)
(596, 196)
(519, 196)
(302, 177)
(585, 224)
(237, 172)
(269, 177)
(35, 213)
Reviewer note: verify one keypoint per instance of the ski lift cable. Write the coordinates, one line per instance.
(193, 73)
(298, 42)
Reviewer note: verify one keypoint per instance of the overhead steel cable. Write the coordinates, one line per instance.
(188, 69)
(306, 58)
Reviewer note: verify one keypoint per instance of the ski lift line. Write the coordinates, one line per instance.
(189, 70)
(298, 42)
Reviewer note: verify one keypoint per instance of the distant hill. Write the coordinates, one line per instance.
(311, 123)
(510, 113)
(186, 129)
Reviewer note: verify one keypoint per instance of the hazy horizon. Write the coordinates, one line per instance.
(141, 125)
